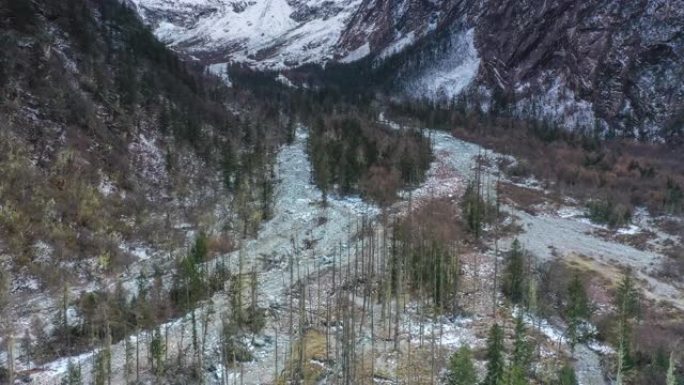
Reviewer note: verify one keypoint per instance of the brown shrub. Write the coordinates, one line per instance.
(220, 244)
(381, 184)
(437, 220)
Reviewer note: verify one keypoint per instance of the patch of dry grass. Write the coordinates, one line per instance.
(521, 197)
(311, 348)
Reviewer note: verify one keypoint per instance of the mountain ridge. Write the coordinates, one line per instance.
(590, 66)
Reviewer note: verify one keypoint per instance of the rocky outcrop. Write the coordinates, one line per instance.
(620, 61)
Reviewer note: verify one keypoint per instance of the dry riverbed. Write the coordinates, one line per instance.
(312, 236)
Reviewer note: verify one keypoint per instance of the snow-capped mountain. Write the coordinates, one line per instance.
(278, 34)
(282, 34)
(267, 34)
(609, 64)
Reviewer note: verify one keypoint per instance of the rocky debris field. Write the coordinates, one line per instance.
(305, 238)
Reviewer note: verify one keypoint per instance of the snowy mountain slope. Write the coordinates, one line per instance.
(267, 34)
(610, 64)
(279, 34)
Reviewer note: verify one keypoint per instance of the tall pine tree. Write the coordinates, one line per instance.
(577, 311)
(514, 286)
(627, 304)
(519, 365)
(495, 357)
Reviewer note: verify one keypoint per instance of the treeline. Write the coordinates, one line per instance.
(614, 176)
(120, 65)
(557, 291)
(248, 175)
(351, 153)
(511, 368)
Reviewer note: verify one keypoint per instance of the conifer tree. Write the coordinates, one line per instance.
(516, 375)
(73, 375)
(27, 347)
(461, 368)
(577, 310)
(128, 357)
(566, 376)
(291, 131)
(495, 357)
(514, 274)
(670, 378)
(521, 348)
(100, 369)
(157, 350)
(627, 304)
(519, 365)
(199, 249)
(473, 209)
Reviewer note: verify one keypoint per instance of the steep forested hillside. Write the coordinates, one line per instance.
(102, 123)
(113, 151)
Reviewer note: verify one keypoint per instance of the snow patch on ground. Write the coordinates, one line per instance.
(142, 253)
(357, 54)
(285, 81)
(148, 154)
(570, 212)
(220, 70)
(106, 186)
(389, 123)
(450, 333)
(398, 45)
(629, 230)
(449, 75)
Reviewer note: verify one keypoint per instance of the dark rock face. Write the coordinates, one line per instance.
(614, 65)
(382, 22)
(626, 58)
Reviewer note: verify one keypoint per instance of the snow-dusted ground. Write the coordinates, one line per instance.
(546, 233)
(298, 222)
(587, 356)
(551, 236)
(547, 236)
(220, 70)
(399, 44)
(459, 155)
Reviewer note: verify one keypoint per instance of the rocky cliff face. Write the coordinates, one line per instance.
(612, 65)
(617, 63)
